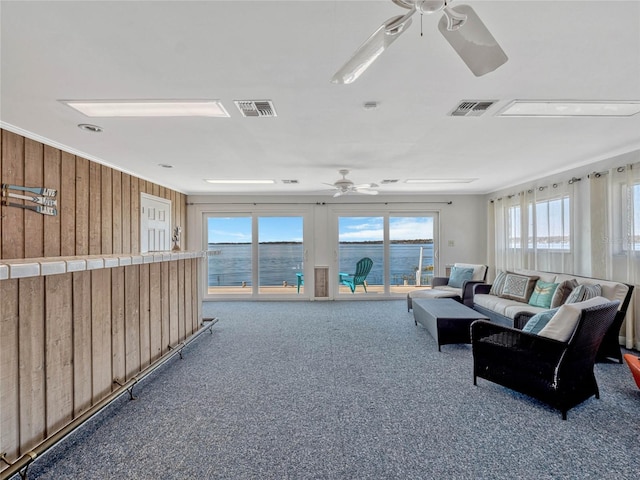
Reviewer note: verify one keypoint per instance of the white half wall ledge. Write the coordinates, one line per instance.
(124, 261)
(95, 263)
(53, 267)
(24, 269)
(76, 265)
(111, 262)
(38, 267)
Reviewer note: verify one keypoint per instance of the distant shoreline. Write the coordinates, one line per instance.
(364, 242)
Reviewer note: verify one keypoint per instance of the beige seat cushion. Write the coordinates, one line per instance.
(443, 291)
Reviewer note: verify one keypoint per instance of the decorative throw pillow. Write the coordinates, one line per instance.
(539, 321)
(562, 324)
(592, 302)
(584, 292)
(459, 275)
(562, 292)
(518, 287)
(498, 284)
(542, 294)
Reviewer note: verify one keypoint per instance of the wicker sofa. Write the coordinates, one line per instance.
(510, 312)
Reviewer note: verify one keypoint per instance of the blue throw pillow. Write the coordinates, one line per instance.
(539, 321)
(542, 294)
(459, 275)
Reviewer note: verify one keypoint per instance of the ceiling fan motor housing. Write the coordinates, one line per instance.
(422, 6)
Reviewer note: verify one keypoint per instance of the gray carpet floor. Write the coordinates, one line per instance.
(342, 390)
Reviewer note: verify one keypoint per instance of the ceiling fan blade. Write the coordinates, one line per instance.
(372, 48)
(471, 40)
(364, 185)
(367, 192)
(338, 193)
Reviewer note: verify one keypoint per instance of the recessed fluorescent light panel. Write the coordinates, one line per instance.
(148, 108)
(569, 108)
(440, 180)
(240, 182)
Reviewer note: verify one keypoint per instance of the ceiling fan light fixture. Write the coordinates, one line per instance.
(455, 20)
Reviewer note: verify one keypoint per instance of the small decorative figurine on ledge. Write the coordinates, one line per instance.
(176, 239)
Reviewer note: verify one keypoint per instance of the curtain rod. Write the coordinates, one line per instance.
(541, 188)
(317, 203)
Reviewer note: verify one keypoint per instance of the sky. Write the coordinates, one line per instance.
(352, 229)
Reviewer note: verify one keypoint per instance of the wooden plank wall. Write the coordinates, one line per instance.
(65, 338)
(98, 207)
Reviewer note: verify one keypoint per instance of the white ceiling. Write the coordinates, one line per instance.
(287, 51)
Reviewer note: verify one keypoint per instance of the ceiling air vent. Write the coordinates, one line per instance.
(290, 182)
(389, 180)
(471, 108)
(256, 108)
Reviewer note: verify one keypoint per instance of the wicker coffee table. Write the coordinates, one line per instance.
(447, 320)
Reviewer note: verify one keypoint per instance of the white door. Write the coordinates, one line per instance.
(155, 223)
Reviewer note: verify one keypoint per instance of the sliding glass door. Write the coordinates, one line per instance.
(402, 247)
(229, 251)
(273, 252)
(255, 255)
(411, 251)
(360, 237)
(280, 255)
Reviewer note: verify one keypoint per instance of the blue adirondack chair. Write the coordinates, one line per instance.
(352, 280)
(300, 280)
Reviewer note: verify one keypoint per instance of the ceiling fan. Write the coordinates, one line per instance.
(460, 26)
(345, 186)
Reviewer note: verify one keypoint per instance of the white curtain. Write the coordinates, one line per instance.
(509, 251)
(534, 229)
(623, 241)
(598, 234)
(615, 246)
(551, 227)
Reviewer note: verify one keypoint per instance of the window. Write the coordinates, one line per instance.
(552, 225)
(229, 248)
(361, 237)
(280, 254)
(402, 248)
(254, 255)
(411, 250)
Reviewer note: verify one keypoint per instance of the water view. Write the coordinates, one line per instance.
(234, 242)
(230, 265)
